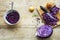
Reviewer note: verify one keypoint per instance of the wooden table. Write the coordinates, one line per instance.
(25, 29)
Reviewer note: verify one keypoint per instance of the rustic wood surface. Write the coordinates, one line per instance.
(25, 29)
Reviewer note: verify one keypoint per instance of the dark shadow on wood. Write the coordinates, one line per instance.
(49, 38)
(10, 27)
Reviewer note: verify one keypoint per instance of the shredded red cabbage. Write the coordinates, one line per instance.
(12, 16)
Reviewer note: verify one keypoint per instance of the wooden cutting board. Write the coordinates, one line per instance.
(40, 12)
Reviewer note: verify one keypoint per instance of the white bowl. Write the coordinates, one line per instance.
(6, 19)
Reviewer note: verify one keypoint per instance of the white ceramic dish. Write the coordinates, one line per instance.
(6, 19)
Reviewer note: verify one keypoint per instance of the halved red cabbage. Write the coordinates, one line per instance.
(44, 31)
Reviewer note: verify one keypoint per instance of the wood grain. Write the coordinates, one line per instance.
(24, 29)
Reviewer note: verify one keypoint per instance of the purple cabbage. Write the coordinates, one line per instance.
(48, 20)
(12, 16)
(54, 10)
(44, 31)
